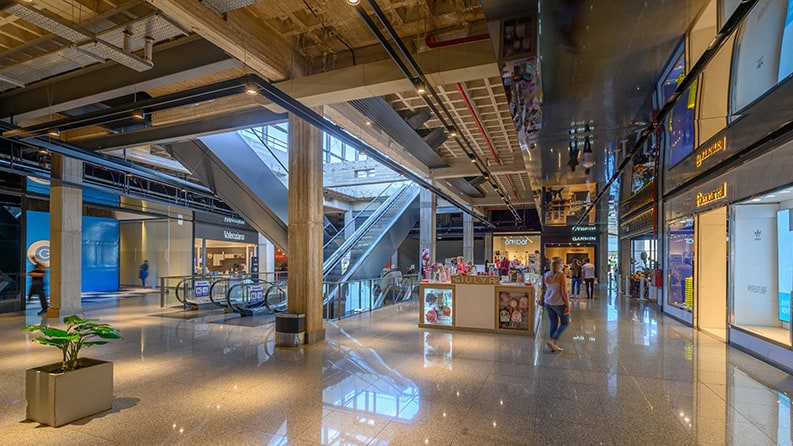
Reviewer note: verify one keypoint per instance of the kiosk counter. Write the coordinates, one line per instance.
(478, 303)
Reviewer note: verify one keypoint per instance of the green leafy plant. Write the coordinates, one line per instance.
(78, 334)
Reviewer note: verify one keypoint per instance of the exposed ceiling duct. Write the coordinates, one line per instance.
(87, 48)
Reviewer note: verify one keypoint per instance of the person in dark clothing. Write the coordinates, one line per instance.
(37, 285)
(143, 273)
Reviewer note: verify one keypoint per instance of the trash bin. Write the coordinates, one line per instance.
(290, 329)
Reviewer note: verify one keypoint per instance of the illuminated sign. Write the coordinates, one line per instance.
(710, 197)
(707, 152)
(476, 280)
(584, 229)
(585, 238)
(516, 241)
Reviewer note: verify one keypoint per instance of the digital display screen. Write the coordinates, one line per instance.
(785, 262)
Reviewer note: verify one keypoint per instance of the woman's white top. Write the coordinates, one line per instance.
(553, 291)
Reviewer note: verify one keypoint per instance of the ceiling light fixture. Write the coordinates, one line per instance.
(452, 132)
(353, 2)
(420, 87)
(472, 157)
(368, 122)
(251, 90)
(361, 152)
(54, 133)
(140, 115)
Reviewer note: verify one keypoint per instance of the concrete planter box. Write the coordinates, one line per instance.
(56, 398)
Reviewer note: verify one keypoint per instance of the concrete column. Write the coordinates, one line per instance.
(427, 224)
(66, 222)
(468, 236)
(305, 225)
(349, 224)
(489, 246)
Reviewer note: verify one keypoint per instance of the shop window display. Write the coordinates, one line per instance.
(681, 263)
(762, 255)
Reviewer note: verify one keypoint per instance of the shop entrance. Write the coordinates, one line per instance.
(711, 272)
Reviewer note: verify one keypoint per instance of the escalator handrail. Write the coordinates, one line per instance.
(336, 257)
(235, 305)
(357, 264)
(341, 231)
(211, 294)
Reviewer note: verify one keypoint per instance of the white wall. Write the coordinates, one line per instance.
(754, 237)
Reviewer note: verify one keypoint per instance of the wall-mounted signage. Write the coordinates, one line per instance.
(704, 198)
(584, 238)
(707, 152)
(584, 229)
(233, 235)
(516, 241)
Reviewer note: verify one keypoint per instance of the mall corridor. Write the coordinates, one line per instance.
(628, 376)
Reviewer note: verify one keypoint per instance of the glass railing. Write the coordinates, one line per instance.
(352, 297)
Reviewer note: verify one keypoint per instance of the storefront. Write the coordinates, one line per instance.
(223, 245)
(729, 255)
(573, 242)
(525, 247)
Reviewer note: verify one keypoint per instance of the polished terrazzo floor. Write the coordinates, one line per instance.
(628, 376)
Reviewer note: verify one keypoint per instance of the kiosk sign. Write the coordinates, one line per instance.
(201, 289)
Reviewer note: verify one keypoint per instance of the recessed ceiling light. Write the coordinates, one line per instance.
(770, 196)
(755, 200)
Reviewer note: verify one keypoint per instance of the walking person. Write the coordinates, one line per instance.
(557, 303)
(589, 278)
(143, 273)
(37, 274)
(575, 276)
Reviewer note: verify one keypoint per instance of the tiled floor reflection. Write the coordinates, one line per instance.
(628, 376)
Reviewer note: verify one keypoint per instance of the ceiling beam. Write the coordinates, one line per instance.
(199, 127)
(239, 33)
(466, 169)
(183, 59)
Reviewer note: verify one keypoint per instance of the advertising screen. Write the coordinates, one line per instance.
(785, 261)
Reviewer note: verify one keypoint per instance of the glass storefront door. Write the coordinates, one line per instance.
(680, 244)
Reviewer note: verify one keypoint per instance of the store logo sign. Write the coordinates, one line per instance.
(585, 238)
(757, 234)
(757, 289)
(709, 197)
(707, 152)
(584, 229)
(232, 220)
(231, 235)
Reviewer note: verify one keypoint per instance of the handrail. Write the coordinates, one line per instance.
(372, 245)
(266, 146)
(336, 257)
(341, 231)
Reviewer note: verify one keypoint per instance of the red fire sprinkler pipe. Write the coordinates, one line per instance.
(433, 43)
(484, 134)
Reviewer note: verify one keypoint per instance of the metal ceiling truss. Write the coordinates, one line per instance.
(115, 44)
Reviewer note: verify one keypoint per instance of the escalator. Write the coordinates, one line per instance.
(228, 165)
(369, 249)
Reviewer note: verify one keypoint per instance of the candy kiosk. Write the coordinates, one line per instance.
(478, 303)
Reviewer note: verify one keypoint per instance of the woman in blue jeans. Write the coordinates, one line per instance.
(557, 303)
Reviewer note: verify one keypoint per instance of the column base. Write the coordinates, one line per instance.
(313, 337)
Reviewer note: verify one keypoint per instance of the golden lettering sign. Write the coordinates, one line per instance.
(707, 152)
(710, 197)
(476, 280)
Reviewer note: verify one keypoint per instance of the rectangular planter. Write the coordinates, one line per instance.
(56, 398)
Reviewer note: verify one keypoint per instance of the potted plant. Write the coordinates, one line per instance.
(76, 387)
